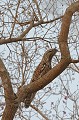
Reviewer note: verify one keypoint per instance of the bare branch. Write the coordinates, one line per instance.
(20, 38)
(10, 97)
(15, 18)
(38, 9)
(44, 116)
(74, 61)
(63, 37)
(6, 82)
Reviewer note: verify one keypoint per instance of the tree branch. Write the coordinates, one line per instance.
(62, 65)
(20, 38)
(44, 116)
(11, 105)
(8, 91)
(65, 29)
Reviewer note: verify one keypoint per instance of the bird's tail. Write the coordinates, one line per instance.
(29, 99)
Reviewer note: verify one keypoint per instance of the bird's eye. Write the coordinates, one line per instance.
(50, 51)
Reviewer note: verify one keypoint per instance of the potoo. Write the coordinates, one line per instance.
(43, 67)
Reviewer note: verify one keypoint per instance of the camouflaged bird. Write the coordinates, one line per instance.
(41, 69)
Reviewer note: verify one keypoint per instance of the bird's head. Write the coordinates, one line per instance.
(49, 54)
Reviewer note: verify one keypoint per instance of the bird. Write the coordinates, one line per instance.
(43, 67)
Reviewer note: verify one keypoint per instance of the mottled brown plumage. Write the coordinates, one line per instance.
(42, 69)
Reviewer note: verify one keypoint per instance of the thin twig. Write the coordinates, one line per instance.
(44, 116)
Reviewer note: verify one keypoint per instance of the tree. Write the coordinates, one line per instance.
(28, 28)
